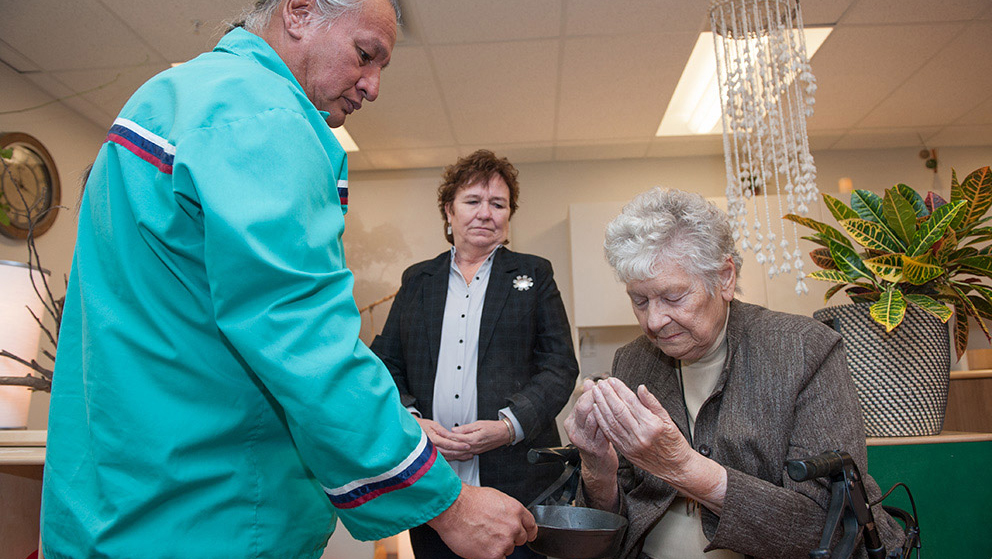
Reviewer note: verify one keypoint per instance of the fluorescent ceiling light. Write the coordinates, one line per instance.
(695, 105)
(344, 138)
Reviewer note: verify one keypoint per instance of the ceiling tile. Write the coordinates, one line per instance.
(179, 29)
(967, 135)
(823, 140)
(613, 150)
(934, 95)
(458, 21)
(913, 11)
(409, 106)
(110, 89)
(88, 35)
(686, 146)
(596, 17)
(890, 137)
(94, 113)
(824, 12)
(516, 153)
(411, 158)
(500, 92)
(850, 85)
(17, 61)
(498, 74)
(982, 114)
(358, 161)
(46, 82)
(619, 87)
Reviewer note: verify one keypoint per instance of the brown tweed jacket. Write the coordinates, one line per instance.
(526, 360)
(784, 393)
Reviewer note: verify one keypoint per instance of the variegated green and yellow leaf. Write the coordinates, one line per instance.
(956, 193)
(826, 231)
(981, 264)
(862, 294)
(964, 252)
(887, 267)
(831, 292)
(872, 235)
(821, 257)
(849, 261)
(838, 209)
(933, 229)
(960, 331)
(948, 244)
(917, 271)
(980, 236)
(969, 307)
(914, 198)
(933, 201)
(983, 306)
(984, 292)
(868, 205)
(899, 215)
(977, 189)
(819, 240)
(889, 310)
(931, 306)
(835, 276)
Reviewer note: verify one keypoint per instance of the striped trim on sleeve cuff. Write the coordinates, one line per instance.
(412, 468)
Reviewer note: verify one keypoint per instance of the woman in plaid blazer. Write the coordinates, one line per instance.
(479, 345)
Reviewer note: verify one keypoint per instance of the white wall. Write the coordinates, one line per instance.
(399, 224)
(398, 219)
(73, 143)
(394, 221)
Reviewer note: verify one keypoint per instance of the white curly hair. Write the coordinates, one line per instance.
(670, 225)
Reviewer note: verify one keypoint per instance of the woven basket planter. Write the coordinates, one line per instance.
(901, 376)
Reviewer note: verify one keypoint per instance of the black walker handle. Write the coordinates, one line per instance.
(561, 454)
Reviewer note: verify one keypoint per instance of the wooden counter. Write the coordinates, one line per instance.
(943, 437)
(22, 459)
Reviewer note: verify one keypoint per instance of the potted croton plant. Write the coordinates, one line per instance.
(909, 263)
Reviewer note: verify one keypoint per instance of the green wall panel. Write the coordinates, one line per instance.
(952, 486)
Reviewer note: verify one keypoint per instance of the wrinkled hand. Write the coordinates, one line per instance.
(584, 432)
(484, 524)
(451, 445)
(483, 435)
(641, 429)
(599, 459)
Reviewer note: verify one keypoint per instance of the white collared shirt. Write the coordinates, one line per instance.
(455, 387)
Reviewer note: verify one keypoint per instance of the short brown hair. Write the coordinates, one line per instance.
(481, 166)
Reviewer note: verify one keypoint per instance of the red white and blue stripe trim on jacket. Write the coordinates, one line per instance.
(406, 473)
(143, 143)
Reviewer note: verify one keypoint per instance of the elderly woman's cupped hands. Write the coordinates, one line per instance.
(641, 429)
(599, 459)
(609, 418)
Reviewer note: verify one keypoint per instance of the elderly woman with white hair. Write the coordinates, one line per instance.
(690, 436)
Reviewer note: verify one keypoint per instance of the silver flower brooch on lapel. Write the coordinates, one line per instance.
(523, 283)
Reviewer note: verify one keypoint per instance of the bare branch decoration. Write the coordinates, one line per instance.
(40, 376)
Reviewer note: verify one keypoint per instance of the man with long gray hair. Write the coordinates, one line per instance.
(212, 397)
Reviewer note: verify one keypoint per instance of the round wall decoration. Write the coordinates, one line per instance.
(29, 184)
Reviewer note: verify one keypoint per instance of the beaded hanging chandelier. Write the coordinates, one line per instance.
(766, 93)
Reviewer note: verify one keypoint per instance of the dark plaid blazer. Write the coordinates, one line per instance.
(526, 359)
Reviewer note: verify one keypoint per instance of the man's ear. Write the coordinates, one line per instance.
(296, 16)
